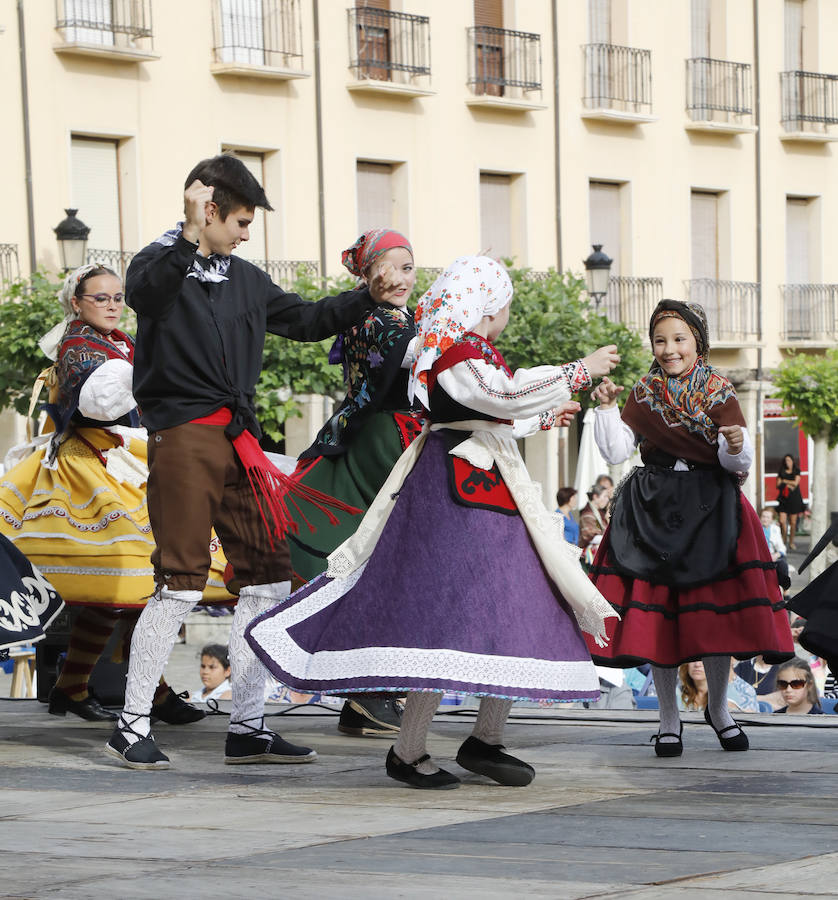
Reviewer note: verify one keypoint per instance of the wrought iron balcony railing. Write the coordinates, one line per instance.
(120, 24)
(809, 101)
(732, 308)
(265, 34)
(284, 271)
(117, 260)
(718, 90)
(9, 266)
(630, 300)
(503, 63)
(810, 312)
(618, 78)
(389, 46)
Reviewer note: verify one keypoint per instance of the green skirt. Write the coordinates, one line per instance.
(354, 477)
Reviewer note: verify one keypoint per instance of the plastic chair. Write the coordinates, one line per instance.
(647, 702)
(828, 705)
(764, 706)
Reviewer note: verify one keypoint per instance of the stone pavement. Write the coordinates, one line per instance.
(604, 818)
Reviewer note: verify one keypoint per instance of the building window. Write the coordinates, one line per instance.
(255, 247)
(258, 32)
(124, 24)
(606, 220)
(503, 216)
(376, 197)
(502, 63)
(704, 218)
(386, 45)
(96, 190)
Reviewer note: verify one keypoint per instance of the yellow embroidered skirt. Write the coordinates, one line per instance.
(88, 533)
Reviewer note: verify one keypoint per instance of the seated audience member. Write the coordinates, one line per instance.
(797, 686)
(763, 679)
(741, 696)
(565, 499)
(215, 675)
(607, 482)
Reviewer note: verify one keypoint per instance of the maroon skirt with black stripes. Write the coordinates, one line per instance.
(741, 613)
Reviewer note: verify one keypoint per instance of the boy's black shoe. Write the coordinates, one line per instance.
(142, 754)
(490, 760)
(407, 774)
(263, 746)
(174, 710)
(89, 709)
(370, 715)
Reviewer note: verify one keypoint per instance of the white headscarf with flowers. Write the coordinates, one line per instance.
(51, 341)
(470, 288)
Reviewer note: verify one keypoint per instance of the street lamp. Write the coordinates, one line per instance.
(597, 271)
(72, 240)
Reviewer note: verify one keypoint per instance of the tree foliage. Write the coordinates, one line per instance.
(553, 322)
(29, 307)
(808, 386)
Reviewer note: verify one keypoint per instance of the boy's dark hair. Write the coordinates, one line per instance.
(99, 270)
(234, 184)
(564, 495)
(219, 652)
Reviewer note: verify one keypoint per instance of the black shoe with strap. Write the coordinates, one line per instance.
(261, 745)
(669, 748)
(89, 709)
(732, 737)
(142, 753)
(407, 774)
(174, 710)
(490, 760)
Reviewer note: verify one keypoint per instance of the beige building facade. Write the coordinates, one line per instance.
(693, 139)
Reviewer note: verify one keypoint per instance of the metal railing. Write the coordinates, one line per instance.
(285, 271)
(9, 265)
(124, 24)
(630, 300)
(618, 78)
(718, 90)
(503, 63)
(810, 312)
(389, 46)
(732, 307)
(809, 101)
(264, 34)
(117, 260)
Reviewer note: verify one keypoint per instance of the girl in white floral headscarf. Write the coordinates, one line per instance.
(458, 577)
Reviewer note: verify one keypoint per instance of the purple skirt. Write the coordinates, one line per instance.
(453, 598)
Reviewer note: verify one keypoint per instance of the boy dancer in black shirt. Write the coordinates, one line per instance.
(202, 316)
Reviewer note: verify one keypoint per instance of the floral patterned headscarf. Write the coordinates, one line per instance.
(470, 288)
(369, 246)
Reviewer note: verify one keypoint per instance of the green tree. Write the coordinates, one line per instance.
(808, 386)
(29, 307)
(553, 322)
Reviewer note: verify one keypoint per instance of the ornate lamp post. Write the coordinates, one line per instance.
(597, 272)
(72, 240)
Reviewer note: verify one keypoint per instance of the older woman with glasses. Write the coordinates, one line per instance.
(76, 506)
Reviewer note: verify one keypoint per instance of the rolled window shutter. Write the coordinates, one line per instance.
(606, 220)
(375, 196)
(95, 190)
(255, 247)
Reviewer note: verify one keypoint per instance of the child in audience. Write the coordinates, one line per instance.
(215, 675)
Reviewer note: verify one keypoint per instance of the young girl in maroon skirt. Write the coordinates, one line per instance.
(684, 560)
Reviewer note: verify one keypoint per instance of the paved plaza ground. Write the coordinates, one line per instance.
(604, 818)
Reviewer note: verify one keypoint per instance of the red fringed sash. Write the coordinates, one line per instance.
(272, 488)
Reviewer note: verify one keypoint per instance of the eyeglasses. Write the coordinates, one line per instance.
(105, 299)
(795, 683)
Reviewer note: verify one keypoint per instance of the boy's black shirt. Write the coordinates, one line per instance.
(199, 344)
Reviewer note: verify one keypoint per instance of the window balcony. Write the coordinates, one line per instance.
(719, 96)
(110, 29)
(258, 39)
(732, 309)
(117, 260)
(504, 68)
(9, 266)
(285, 271)
(618, 84)
(809, 106)
(631, 299)
(389, 52)
(810, 314)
